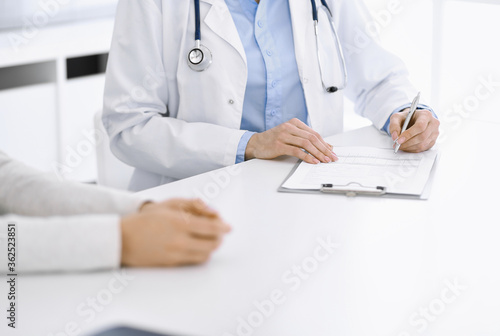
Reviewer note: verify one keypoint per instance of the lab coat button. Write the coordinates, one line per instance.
(230, 101)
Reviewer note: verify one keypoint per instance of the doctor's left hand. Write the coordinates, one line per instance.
(290, 138)
(421, 133)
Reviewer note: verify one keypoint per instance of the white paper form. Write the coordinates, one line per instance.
(401, 173)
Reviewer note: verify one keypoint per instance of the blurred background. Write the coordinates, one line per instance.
(53, 56)
(13, 13)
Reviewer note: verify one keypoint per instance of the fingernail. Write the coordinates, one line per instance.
(327, 159)
(401, 140)
(316, 161)
(394, 135)
(335, 157)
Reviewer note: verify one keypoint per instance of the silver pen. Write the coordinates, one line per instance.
(413, 108)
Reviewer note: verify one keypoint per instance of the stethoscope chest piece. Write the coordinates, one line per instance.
(199, 58)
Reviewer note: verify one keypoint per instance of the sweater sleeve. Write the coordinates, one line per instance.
(52, 244)
(28, 192)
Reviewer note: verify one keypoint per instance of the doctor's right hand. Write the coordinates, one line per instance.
(172, 233)
(290, 138)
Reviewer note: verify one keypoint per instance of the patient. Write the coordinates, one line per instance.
(66, 226)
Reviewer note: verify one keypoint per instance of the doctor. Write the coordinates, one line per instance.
(197, 85)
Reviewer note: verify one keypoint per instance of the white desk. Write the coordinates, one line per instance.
(393, 258)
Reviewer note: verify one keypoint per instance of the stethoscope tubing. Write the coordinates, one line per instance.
(197, 20)
(205, 52)
(315, 9)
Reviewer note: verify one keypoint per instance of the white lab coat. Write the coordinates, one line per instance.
(171, 122)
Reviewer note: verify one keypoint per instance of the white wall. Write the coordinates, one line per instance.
(469, 50)
(471, 56)
(406, 32)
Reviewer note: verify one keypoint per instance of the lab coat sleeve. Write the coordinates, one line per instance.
(378, 80)
(61, 244)
(29, 192)
(143, 132)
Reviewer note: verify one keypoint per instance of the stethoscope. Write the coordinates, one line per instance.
(200, 57)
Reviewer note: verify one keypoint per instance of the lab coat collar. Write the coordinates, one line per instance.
(297, 10)
(305, 51)
(220, 21)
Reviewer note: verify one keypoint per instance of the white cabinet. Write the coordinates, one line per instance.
(77, 127)
(46, 119)
(28, 123)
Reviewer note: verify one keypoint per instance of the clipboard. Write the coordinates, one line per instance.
(355, 189)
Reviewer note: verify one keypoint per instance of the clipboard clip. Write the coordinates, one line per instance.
(353, 189)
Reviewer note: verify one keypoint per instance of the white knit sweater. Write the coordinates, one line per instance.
(60, 226)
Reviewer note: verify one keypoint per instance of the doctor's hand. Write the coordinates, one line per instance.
(290, 138)
(172, 233)
(421, 134)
